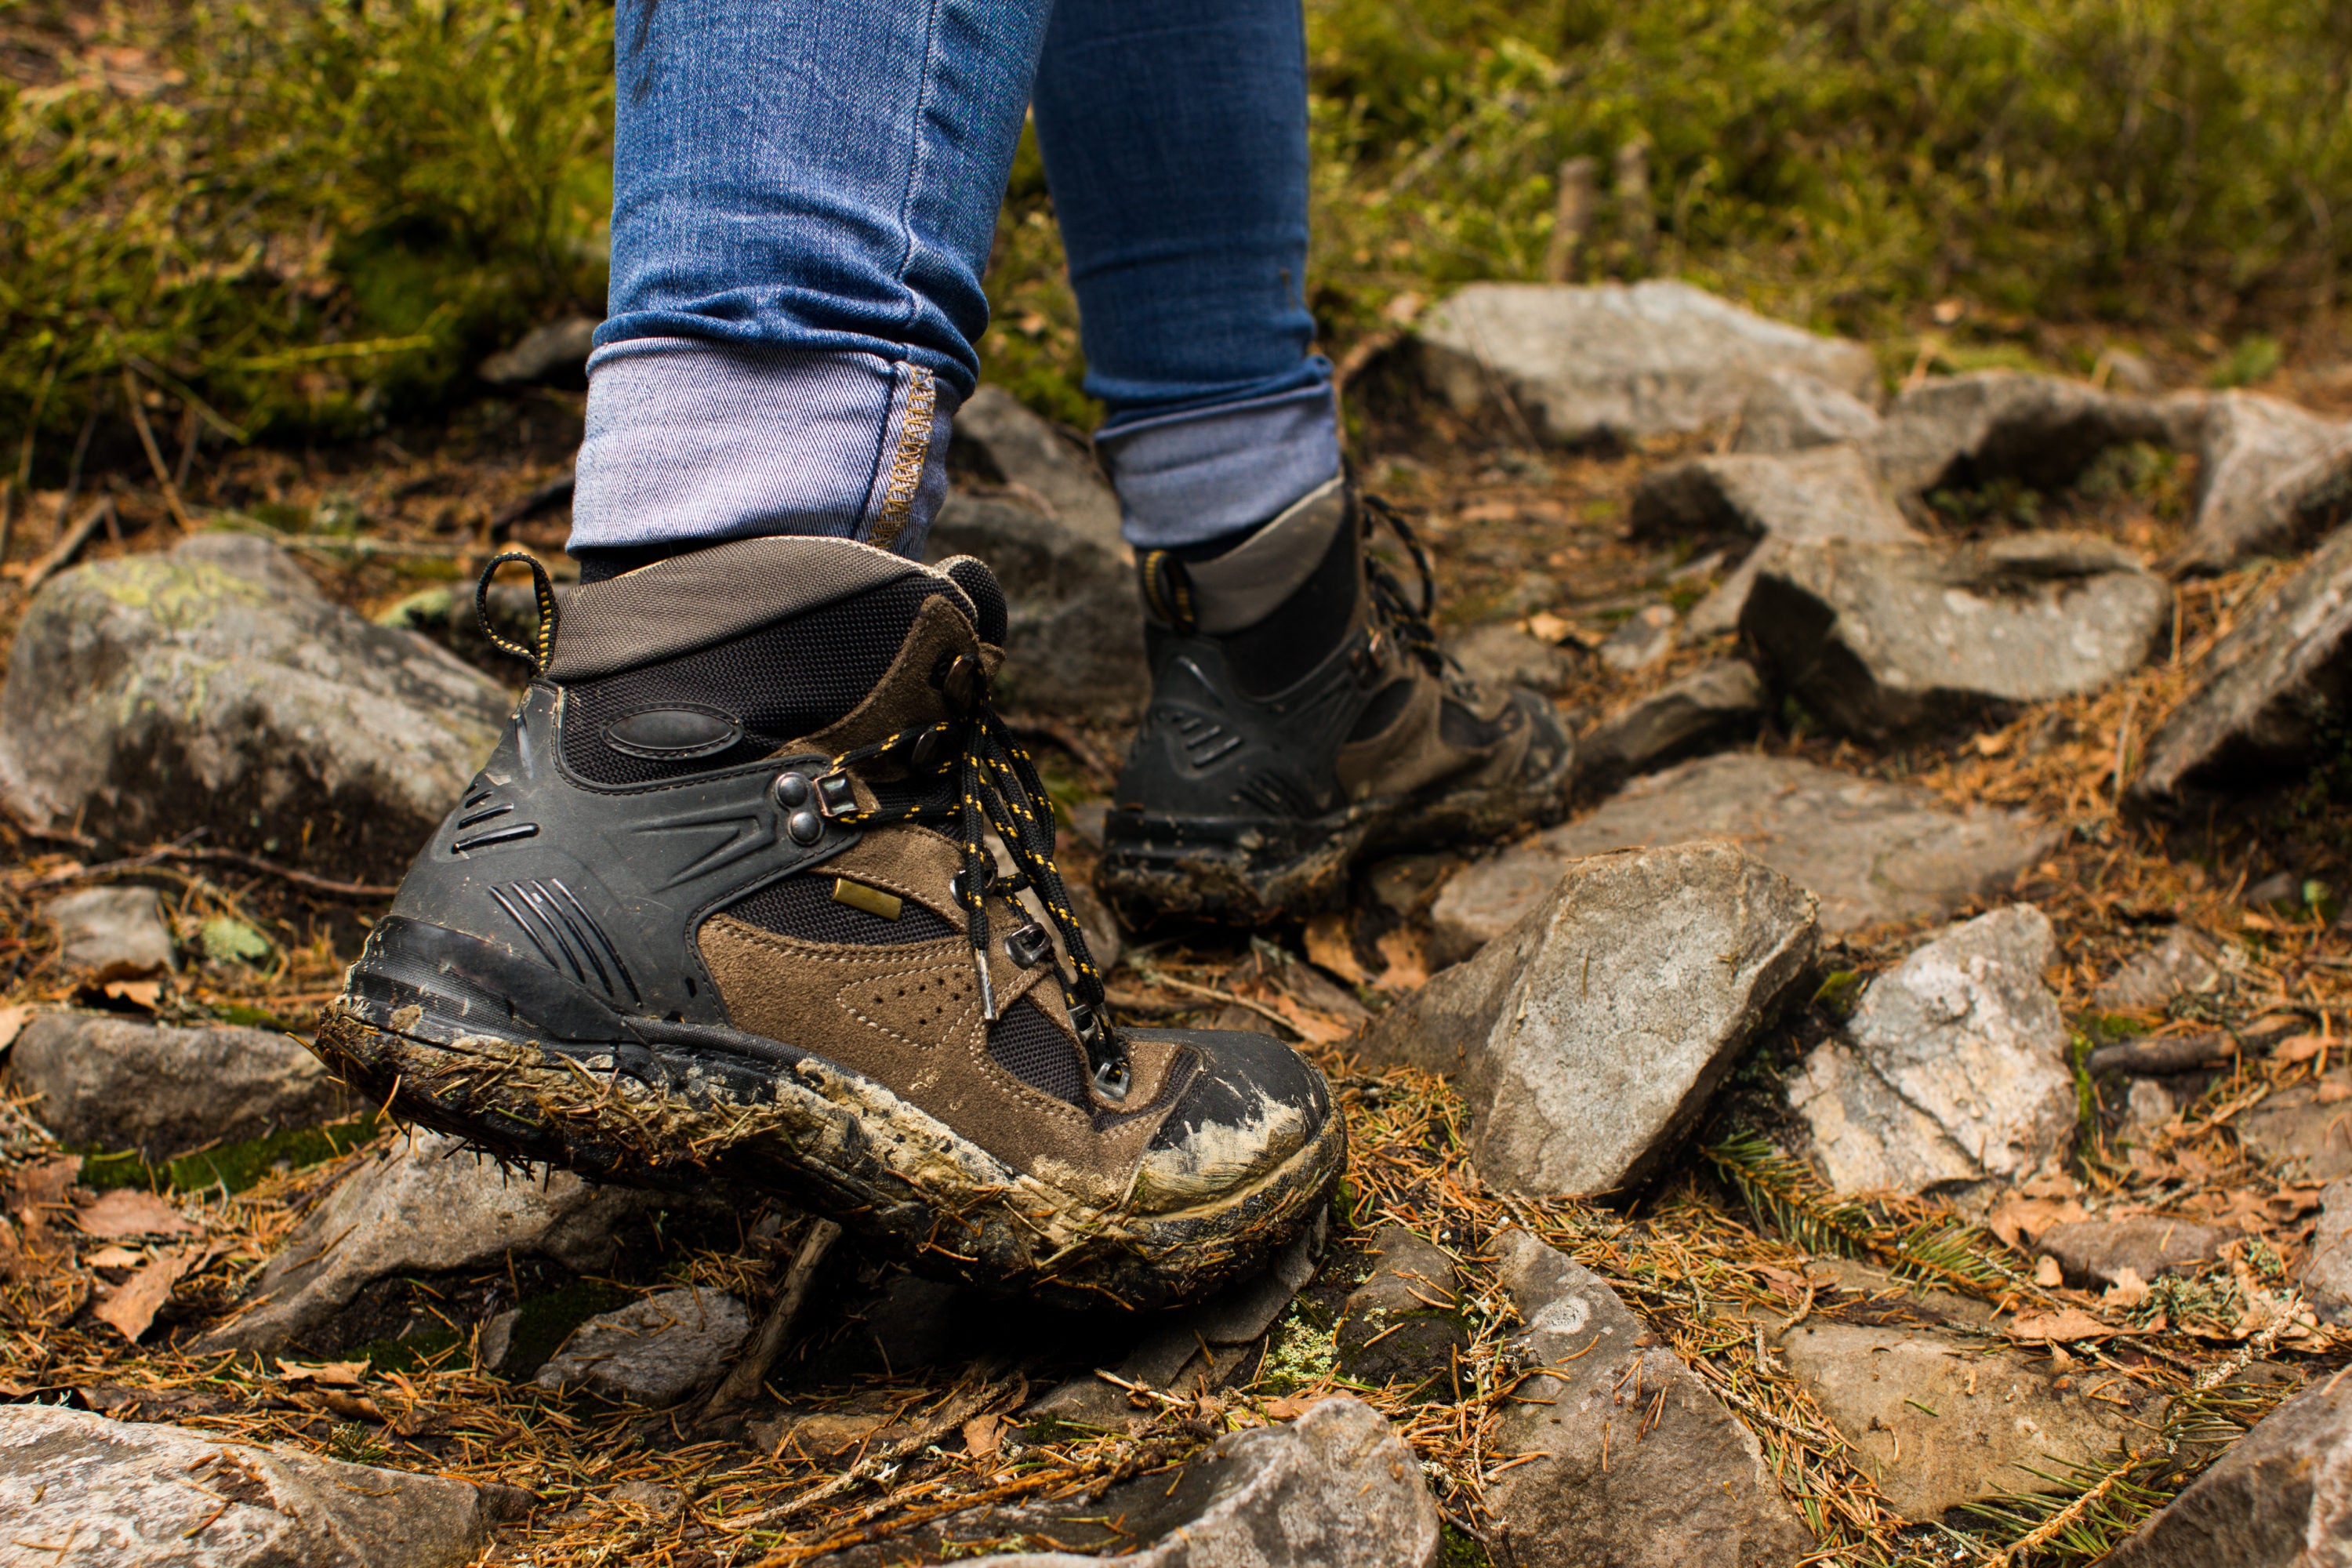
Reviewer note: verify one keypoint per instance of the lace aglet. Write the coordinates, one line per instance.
(987, 988)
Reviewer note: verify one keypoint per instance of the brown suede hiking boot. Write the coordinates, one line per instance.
(722, 907)
(1301, 714)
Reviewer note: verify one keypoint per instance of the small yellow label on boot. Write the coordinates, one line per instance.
(873, 900)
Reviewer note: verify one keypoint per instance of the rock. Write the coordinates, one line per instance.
(2280, 892)
(1403, 1322)
(106, 1082)
(2327, 1281)
(1804, 499)
(1643, 1467)
(2148, 1108)
(2273, 688)
(2092, 1254)
(2306, 1137)
(1954, 1068)
(1579, 1087)
(1791, 411)
(1617, 361)
(2181, 965)
(152, 695)
(125, 1493)
(251, 556)
(1989, 1421)
(1075, 640)
(420, 1207)
(1505, 656)
(1885, 642)
(652, 1352)
(2276, 1499)
(1961, 432)
(1336, 1489)
(1713, 706)
(557, 350)
(664, 1503)
(2269, 476)
(1871, 852)
(1014, 446)
(111, 933)
(1640, 640)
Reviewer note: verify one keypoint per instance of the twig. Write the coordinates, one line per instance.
(73, 474)
(1215, 995)
(203, 855)
(61, 554)
(154, 453)
(744, 1382)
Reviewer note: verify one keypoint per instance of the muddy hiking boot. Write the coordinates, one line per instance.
(1302, 715)
(721, 908)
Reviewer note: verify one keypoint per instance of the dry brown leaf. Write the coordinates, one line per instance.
(1408, 966)
(113, 1255)
(2020, 1220)
(1545, 627)
(143, 994)
(133, 1305)
(980, 1434)
(323, 1373)
(2127, 1291)
(2300, 1048)
(1328, 947)
(126, 1211)
(12, 1023)
(2333, 1093)
(1289, 1406)
(2066, 1323)
(2047, 1274)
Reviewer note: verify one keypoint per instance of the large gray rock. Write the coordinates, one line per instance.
(2326, 1280)
(1403, 1320)
(1938, 1422)
(115, 1492)
(1964, 431)
(2269, 477)
(101, 1081)
(1954, 1068)
(1790, 411)
(2308, 1138)
(1617, 361)
(2092, 1254)
(1889, 641)
(1505, 656)
(419, 1207)
(1588, 1038)
(1871, 852)
(2273, 688)
(111, 933)
(2280, 1497)
(1076, 639)
(1641, 1466)
(2182, 964)
(654, 1352)
(152, 695)
(1054, 473)
(1713, 706)
(1335, 1489)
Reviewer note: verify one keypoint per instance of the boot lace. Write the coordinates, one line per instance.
(1406, 616)
(997, 789)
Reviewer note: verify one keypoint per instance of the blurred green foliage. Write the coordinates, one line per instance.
(346, 202)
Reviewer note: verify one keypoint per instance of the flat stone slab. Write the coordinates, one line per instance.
(1589, 1038)
(152, 695)
(2092, 1254)
(1885, 642)
(654, 1352)
(104, 1081)
(78, 1488)
(1074, 636)
(420, 1208)
(1953, 1069)
(1618, 361)
(2261, 715)
(111, 933)
(1640, 1464)
(1711, 706)
(1871, 852)
(1938, 1422)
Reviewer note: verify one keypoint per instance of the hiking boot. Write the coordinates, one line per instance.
(723, 907)
(1301, 715)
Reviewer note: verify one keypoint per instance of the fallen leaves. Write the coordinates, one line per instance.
(126, 1211)
(323, 1373)
(2066, 1323)
(133, 1306)
(2021, 1221)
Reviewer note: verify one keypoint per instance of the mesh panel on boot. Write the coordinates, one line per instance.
(780, 682)
(804, 907)
(1024, 1043)
(987, 596)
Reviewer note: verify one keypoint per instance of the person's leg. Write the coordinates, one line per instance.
(804, 198)
(1174, 136)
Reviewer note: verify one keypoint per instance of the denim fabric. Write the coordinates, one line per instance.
(803, 199)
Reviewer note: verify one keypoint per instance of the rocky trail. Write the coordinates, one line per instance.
(1901, 1114)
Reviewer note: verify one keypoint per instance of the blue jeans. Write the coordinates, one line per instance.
(805, 194)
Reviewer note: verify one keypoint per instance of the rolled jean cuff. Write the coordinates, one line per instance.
(1190, 478)
(690, 441)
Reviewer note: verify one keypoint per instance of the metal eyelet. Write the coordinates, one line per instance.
(836, 795)
(1028, 946)
(987, 880)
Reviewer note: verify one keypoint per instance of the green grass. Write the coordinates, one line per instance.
(233, 1166)
(342, 206)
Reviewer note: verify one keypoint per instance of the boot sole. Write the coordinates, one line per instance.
(738, 1109)
(1253, 872)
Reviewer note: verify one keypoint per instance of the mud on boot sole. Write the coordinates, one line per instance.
(739, 1110)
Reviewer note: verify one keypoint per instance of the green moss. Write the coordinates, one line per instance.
(1839, 993)
(246, 1017)
(235, 1166)
(1457, 1548)
(545, 1320)
(409, 1353)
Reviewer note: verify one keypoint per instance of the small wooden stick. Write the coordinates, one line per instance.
(62, 553)
(744, 1382)
(154, 452)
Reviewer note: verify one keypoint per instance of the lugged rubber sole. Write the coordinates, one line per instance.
(832, 1141)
